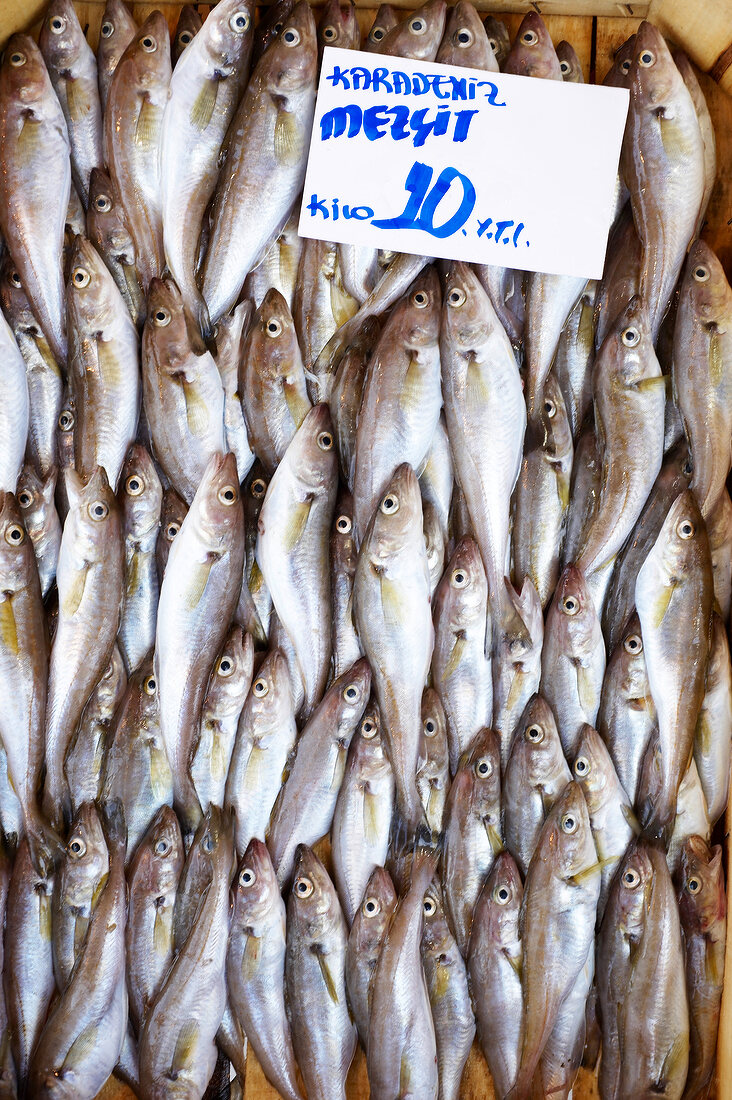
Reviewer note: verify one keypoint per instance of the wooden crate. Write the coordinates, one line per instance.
(596, 28)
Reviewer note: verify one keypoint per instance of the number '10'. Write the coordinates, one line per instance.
(419, 213)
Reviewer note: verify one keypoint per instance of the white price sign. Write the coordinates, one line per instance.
(464, 164)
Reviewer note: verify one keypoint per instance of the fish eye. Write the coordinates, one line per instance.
(107, 29)
(77, 847)
(581, 766)
(550, 408)
(185, 37)
(325, 441)
(464, 38)
(57, 24)
(570, 605)
(569, 823)
(377, 33)
(162, 846)
(493, 45)
(247, 878)
(14, 280)
(225, 666)
(564, 67)
(14, 534)
(66, 420)
(98, 510)
(456, 297)
(259, 487)
(303, 886)
(240, 22)
(149, 685)
(631, 878)
(80, 277)
(351, 693)
(25, 498)
(228, 494)
(172, 530)
(685, 529)
(344, 525)
(646, 59)
(534, 733)
(207, 842)
(430, 727)
(260, 687)
(693, 885)
(630, 337)
(701, 273)
(483, 768)
(459, 578)
(17, 59)
(625, 65)
(103, 203)
(529, 38)
(330, 33)
(291, 37)
(502, 895)
(420, 299)
(273, 327)
(161, 317)
(633, 644)
(134, 485)
(368, 728)
(418, 25)
(371, 907)
(149, 44)
(429, 907)
(390, 504)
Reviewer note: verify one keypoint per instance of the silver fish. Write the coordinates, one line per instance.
(83, 765)
(368, 930)
(140, 499)
(40, 518)
(117, 30)
(433, 770)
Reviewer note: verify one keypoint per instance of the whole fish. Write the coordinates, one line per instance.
(117, 30)
(84, 761)
(292, 545)
(384, 20)
(461, 671)
(272, 381)
(153, 879)
(104, 365)
(320, 306)
(83, 870)
(108, 231)
(541, 500)
(573, 658)
(172, 514)
(392, 612)
(275, 118)
(265, 738)
(136, 768)
(712, 737)
(403, 384)
(255, 968)
(204, 93)
(40, 519)
(673, 594)
(640, 962)
(418, 35)
(498, 38)
(433, 770)
(188, 25)
(368, 931)
(473, 833)
(662, 162)
(281, 261)
(323, 1033)
(33, 408)
(133, 120)
(90, 582)
(36, 183)
(465, 41)
(575, 358)
(344, 639)
(703, 912)
(494, 966)
(72, 68)
(140, 499)
(559, 907)
(182, 391)
(82, 1040)
(230, 335)
(447, 984)
(534, 777)
(304, 810)
(198, 595)
(227, 690)
(362, 815)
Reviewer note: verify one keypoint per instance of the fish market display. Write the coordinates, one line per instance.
(364, 620)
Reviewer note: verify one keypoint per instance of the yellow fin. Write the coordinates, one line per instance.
(338, 768)
(297, 523)
(81, 926)
(75, 594)
(8, 626)
(160, 775)
(476, 385)
(586, 690)
(327, 976)
(218, 760)
(44, 916)
(198, 581)
(442, 981)
(493, 833)
(251, 957)
(163, 931)
(456, 655)
(47, 355)
(630, 819)
(657, 381)
(196, 411)
(133, 282)
(370, 816)
(662, 603)
(674, 1064)
(674, 140)
(288, 137)
(342, 305)
(297, 405)
(133, 574)
(184, 1055)
(391, 602)
(29, 140)
(110, 370)
(78, 103)
(147, 130)
(716, 359)
(203, 109)
(82, 1047)
(563, 484)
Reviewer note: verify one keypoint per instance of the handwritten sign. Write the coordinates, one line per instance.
(442, 161)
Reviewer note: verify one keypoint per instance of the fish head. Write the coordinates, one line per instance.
(373, 916)
(419, 35)
(146, 61)
(350, 693)
(274, 340)
(216, 509)
(93, 509)
(567, 837)
(436, 935)
(172, 513)
(271, 692)
(343, 546)
(85, 863)
(106, 218)
(569, 64)
(497, 910)
(291, 61)
(682, 541)
(66, 424)
(256, 893)
(229, 34)
(434, 750)
(631, 891)
(338, 26)
(269, 26)
(87, 288)
(14, 299)
(143, 692)
(313, 901)
(232, 673)
(633, 674)
(465, 41)
(536, 745)
(630, 344)
(254, 491)
(188, 25)
(24, 79)
(36, 498)
(593, 767)
(61, 39)
(312, 454)
(396, 525)
(385, 20)
(532, 52)
(706, 288)
(618, 76)
(16, 550)
(167, 328)
(419, 312)
(462, 594)
(156, 866)
(572, 614)
(655, 82)
(498, 38)
(701, 892)
(141, 492)
(480, 767)
(557, 443)
(112, 683)
(211, 849)
(467, 316)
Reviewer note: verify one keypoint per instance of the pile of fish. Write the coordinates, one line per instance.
(302, 540)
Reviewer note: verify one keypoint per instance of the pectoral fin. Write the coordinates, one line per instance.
(203, 108)
(82, 1048)
(8, 626)
(185, 1053)
(325, 971)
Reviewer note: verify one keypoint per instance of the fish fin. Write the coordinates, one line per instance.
(297, 405)
(563, 488)
(342, 305)
(74, 596)
(133, 574)
(586, 690)
(110, 370)
(44, 916)
(81, 927)
(83, 1045)
(163, 931)
(674, 140)
(199, 580)
(8, 626)
(297, 523)
(160, 775)
(251, 956)
(132, 281)
(147, 129)
(441, 981)
(716, 359)
(321, 956)
(662, 603)
(370, 816)
(456, 655)
(79, 104)
(29, 140)
(476, 384)
(648, 385)
(46, 354)
(288, 138)
(184, 1055)
(630, 818)
(676, 1056)
(98, 890)
(391, 601)
(495, 839)
(218, 759)
(203, 109)
(339, 767)
(196, 412)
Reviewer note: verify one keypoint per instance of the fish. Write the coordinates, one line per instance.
(338, 26)
(436, 480)
(711, 741)
(692, 815)
(133, 120)
(255, 968)
(104, 366)
(320, 306)
(230, 335)
(362, 815)
(346, 647)
(384, 20)
(198, 594)
(347, 391)
(140, 500)
(461, 671)
(569, 64)
(203, 95)
(584, 491)
(494, 967)
(80, 878)
(264, 740)
(532, 52)
(534, 778)
(673, 595)
(369, 926)
(153, 877)
(621, 276)
(65, 447)
(117, 30)
(84, 761)
(108, 230)
(182, 391)
(418, 35)
(719, 529)
(433, 770)
(36, 184)
(323, 1033)
(498, 38)
(15, 416)
(305, 807)
(473, 832)
(281, 261)
(465, 40)
(575, 358)
(188, 25)
(516, 665)
(640, 961)
(292, 545)
(392, 614)
(254, 611)
(72, 68)
(274, 117)
(270, 26)
(447, 983)
(172, 513)
(706, 127)
(90, 580)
